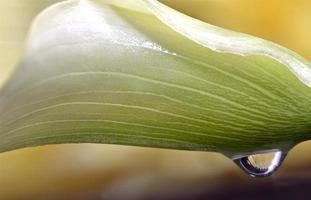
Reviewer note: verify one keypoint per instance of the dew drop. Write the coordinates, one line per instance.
(261, 164)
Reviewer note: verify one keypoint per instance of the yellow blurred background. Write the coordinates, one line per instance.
(89, 171)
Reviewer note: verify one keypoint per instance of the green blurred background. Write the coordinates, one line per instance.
(89, 171)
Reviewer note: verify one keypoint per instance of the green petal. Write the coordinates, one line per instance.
(108, 72)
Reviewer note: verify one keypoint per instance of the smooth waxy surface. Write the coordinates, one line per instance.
(97, 72)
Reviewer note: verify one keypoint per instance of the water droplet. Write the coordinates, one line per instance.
(261, 164)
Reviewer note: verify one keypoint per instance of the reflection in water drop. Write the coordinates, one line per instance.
(261, 165)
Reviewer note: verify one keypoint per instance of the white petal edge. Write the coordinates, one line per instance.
(226, 41)
(215, 38)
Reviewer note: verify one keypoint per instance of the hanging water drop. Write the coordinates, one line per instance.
(261, 164)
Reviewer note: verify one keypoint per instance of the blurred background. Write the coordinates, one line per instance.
(93, 171)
